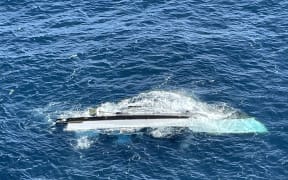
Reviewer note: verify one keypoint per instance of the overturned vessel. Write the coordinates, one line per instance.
(185, 120)
(163, 109)
(124, 121)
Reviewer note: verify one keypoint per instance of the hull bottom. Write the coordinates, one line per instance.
(228, 126)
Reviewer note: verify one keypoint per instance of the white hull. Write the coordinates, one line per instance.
(233, 126)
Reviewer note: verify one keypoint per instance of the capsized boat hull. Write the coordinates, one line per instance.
(231, 126)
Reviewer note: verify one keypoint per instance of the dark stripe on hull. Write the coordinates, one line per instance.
(119, 117)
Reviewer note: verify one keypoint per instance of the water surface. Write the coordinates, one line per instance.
(58, 57)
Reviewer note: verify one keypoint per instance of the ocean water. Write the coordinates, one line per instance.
(60, 58)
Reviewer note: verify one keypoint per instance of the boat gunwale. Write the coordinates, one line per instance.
(118, 117)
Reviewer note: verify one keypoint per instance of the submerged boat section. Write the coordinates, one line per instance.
(220, 126)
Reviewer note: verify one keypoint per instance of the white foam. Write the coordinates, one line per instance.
(83, 142)
(168, 102)
(163, 132)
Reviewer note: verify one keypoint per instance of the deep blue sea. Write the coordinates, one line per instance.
(63, 57)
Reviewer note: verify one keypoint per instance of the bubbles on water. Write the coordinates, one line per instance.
(83, 142)
(84, 139)
(165, 132)
(159, 133)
